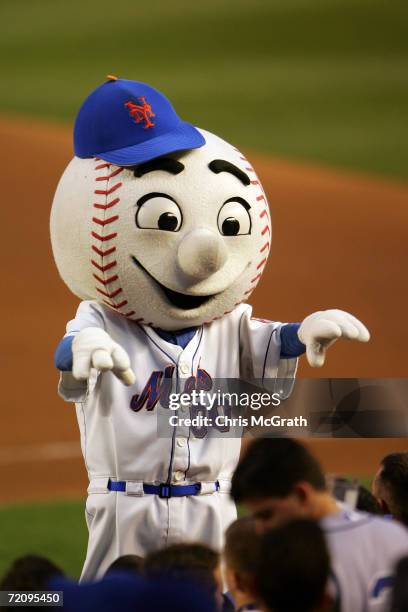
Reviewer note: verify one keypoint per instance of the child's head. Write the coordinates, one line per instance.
(241, 553)
(194, 562)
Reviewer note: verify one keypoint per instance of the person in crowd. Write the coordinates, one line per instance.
(120, 592)
(366, 502)
(241, 553)
(278, 479)
(292, 568)
(390, 486)
(29, 573)
(364, 499)
(188, 561)
(127, 563)
(399, 601)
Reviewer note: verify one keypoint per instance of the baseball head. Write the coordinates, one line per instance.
(174, 242)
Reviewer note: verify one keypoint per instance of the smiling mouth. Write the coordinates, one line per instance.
(180, 300)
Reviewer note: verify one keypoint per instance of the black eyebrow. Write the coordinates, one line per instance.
(154, 194)
(240, 200)
(221, 165)
(168, 164)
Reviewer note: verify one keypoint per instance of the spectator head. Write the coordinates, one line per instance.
(127, 563)
(390, 486)
(128, 593)
(241, 553)
(30, 573)
(366, 502)
(278, 479)
(293, 568)
(400, 588)
(194, 561)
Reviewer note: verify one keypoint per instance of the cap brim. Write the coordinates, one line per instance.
(184, 137)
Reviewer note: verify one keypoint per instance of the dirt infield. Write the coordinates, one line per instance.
(339, 240)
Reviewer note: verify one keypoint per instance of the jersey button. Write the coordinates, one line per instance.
(184, 368)
(181, 442)
(178, 476)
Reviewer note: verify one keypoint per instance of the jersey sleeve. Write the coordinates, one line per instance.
(87, 315)
(260, 353)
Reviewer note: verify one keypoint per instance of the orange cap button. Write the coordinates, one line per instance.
(111, 77)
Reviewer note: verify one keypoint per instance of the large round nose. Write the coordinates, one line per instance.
(201, 253)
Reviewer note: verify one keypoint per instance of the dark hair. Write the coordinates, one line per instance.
(241, 545)
(293, 567)
(30, 573)
(272, 466)
(127, 563)
(178, 561)
(399, 600)
(394, 475)
(366, 502)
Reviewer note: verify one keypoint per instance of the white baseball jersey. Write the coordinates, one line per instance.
(119, 439)
(364, 549)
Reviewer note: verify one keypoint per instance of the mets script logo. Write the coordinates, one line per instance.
(141, 112)
(159, 386)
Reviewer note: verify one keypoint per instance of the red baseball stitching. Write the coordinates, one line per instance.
(109, 176)
(108, 191)
(116, 306)
(103, 238)
(109, 295)
(101, 224)
(102, 268)
(105, 221)
(103, 253)
(107, 281)
(108, 205)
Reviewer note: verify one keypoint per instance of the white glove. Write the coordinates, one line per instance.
(321, 329)
(94, 348)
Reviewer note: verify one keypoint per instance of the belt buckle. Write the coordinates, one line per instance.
(164, 490)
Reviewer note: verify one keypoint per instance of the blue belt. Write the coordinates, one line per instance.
(163, 490)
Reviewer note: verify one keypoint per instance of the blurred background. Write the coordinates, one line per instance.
(314, 92)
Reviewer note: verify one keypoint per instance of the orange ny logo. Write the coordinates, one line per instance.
(141, 112)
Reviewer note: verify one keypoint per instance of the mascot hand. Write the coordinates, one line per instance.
(321, 329)
(94, 348)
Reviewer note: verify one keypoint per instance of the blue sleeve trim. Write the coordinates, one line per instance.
(63, 355)
(291, 346)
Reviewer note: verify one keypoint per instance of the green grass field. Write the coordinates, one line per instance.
(308, 79)
(55, 530)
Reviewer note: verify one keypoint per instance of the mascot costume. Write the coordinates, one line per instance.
(163, 230)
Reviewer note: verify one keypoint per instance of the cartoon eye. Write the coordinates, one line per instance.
(234, 217)
(158, 211)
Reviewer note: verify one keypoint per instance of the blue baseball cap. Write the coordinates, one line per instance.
(126, 123)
